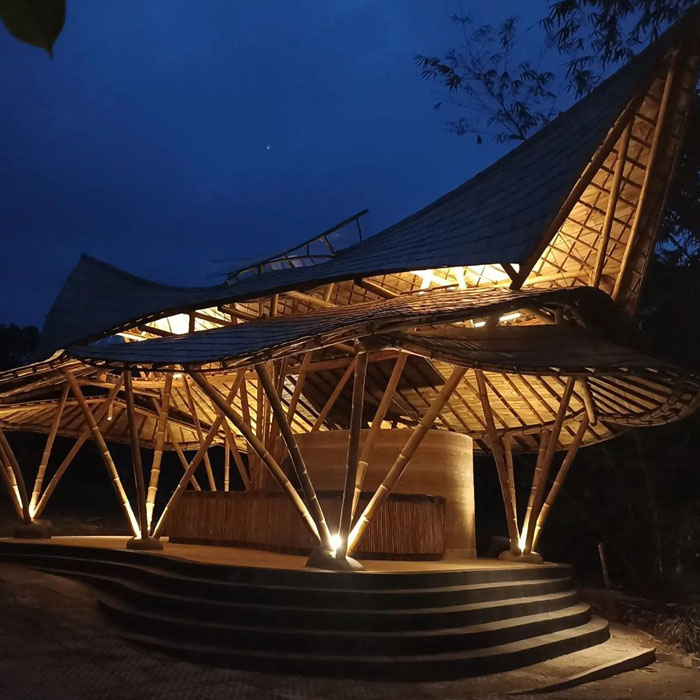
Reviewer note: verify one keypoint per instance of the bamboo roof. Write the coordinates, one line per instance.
(528, 272)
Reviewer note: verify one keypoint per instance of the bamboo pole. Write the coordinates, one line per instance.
(231, 439)
(298, 386)
(296, 457)
(39, 480)
(136, 455)
(13, 492)
(334, 395)
(227, 465)
(646, 183)
(15, 474)
(358, 397)
(158, 450)
(404, 457)
(104, 451)
(379, 416)
(196, 460)
(200, 434)
(588, 402)
(497, 452)
(267, 459)
(547, 461)
(537, 475)
(597, 272)
(508, 449)
(181, 456)
(559, 479)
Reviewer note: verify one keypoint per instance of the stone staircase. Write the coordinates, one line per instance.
(392, 626)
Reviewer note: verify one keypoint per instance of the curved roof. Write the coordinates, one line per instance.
(474, 224)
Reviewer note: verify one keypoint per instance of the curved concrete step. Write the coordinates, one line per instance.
(324, 642)
(306, 596)
(503, 657)
(283, 615)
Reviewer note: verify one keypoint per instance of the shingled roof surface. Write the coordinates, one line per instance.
(498, 216)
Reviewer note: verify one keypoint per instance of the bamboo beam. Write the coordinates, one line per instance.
(379, 416)
(375, 288)
(16, 473)
(311, 300)
(299, 386)
(547, 461)
(334, 395)
(136, 455)
(648, 174)
(358, 397)
(269, 461)
(158, 450)
(499, 458)
(181, 456)
(43, 464)
(104, 451)
(157, 531)
(200, 435)
(296, 457)
(404, 457)
(12, 491)
(612, 206)
(559, 479)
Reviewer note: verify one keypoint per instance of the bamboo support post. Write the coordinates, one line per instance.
(404, 457)
(136, 454)
(510, 471)
(358, 398)
(104, 451)
(158, 449)
(200, 434)
(204, 445)
(547, 460)
(588, 402)
(646, 183)
(181, 456)
(379, 416)
(227, 465)
(597, 272)
(233, 447)
(100, 413)
(334, 395)
(559, 479)
(267, 459)
(12, 491)
(296, 457)
(537, 475)
(15, 474)
(39, 480)
(299, 386)
(501, 468)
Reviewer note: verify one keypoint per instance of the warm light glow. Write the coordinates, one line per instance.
(478, 324)
(177, 375)
(336, 542)
(510, 317)
(459, 274)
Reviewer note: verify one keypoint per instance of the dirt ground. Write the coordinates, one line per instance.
(56, 645)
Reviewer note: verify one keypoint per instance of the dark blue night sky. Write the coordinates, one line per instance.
(144, 142)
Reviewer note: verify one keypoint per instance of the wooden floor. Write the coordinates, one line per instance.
(236, 556)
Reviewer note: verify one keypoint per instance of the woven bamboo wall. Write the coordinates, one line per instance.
(408, 525)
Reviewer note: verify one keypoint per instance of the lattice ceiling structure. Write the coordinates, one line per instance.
(526, 277)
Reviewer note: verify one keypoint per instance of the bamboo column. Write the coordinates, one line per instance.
(39, 480)
(404, 457)
(295, 456)
(547, 461)
(157, 531)
(358, 398)
(266, 458)
(233, 447)
(200, 435)
(15, 474)
(536, 477)
(559, 479)
(12, 491)
(100, 413)
(301, 378)
(158, 450)
(104, 451)
(588, 402)
(181, 456)
(508, 448)
(379, 416)
(501, 467)
(136, 455)
(227, 465)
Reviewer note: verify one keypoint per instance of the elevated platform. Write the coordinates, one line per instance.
(263, 611)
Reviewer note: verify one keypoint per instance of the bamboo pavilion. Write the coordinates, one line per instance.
(350, 380)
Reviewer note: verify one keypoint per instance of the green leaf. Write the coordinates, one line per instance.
(36, 22)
